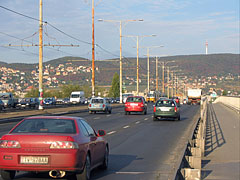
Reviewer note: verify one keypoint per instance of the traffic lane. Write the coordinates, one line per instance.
(6, 127)
(122, 140)
(148, 150)
(110, 122)
(118, 120)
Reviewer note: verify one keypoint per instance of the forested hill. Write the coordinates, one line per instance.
(195, 65)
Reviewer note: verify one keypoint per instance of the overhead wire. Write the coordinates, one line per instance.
(59, 30)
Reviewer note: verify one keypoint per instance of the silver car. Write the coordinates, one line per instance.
(98, 104)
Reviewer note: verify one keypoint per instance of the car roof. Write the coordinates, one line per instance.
(54, 117)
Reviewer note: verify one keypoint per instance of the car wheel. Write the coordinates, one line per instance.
(90, 112)
(8, 175)
(85, 175)
(179, 117)
(155, 118)
(145, 112)
(104, 165)
(110, 111)
(126, 113)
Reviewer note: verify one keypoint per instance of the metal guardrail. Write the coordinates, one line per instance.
(190, 167)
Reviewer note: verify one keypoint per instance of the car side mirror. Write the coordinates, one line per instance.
(101, 133)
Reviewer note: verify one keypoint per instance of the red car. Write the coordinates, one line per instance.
(135, 104)
(60, 145)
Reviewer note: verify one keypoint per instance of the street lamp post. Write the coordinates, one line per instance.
(141, 36)
(148, 65)
(120, 31)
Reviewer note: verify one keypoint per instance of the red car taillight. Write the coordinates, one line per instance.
(154, 109)
(175, 109)
(90, 105)
(9, 144)
(64, 145)
(103, 105)
(140, 105)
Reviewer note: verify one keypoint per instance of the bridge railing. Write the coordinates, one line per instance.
(190, 167)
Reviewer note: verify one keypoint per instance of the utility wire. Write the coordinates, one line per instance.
(65, 33)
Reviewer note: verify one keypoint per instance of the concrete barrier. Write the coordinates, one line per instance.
(191, 165)
(232, 102)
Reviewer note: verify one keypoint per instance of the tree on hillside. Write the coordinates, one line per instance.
(115, 88)
(67, 89)
(32, 93)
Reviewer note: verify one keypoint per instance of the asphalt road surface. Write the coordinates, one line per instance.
(140, 148)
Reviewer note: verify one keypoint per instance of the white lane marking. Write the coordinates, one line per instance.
(96, 118)
(126, 127)
(112, 132)
(60, 112)
(145, 119)
(130, 172)
(108, 115)
(137, 122)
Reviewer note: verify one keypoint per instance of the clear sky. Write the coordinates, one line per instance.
(181, 26)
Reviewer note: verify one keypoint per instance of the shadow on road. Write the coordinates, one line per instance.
(214, 134)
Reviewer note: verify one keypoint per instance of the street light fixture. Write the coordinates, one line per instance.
(120, 29)
(141, 36)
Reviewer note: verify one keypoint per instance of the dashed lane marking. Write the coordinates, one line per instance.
(145, 119)
(112, 132)
(130, 172)
(126, 127)
(96, 118)
(137, 122)
(108, 115)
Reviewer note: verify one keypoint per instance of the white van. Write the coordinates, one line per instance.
(77, 97)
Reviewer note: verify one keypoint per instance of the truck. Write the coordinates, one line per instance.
(194, 96)
(77, 97)
(8, 100)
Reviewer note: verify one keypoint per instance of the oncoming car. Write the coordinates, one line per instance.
(99, 104)
(59, 145)
(135, 104)
(166, 108)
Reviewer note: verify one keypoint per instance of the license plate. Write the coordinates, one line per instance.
(165, 109)
(34, 160)
(134, 104)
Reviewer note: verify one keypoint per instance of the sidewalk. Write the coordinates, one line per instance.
(222, 159)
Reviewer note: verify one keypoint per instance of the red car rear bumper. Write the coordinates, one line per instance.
(66, 160)
(134, 109)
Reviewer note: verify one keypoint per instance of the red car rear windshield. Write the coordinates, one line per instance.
(134, 99)
(165, 103)
(46, 126)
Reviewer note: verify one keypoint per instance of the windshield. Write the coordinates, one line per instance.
(75, 96)
(150, 95)
(165, 103)
(97, 101)
(4, 97)
(46, 126)
(134, 99)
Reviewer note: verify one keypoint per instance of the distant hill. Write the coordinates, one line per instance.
(190, 65)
